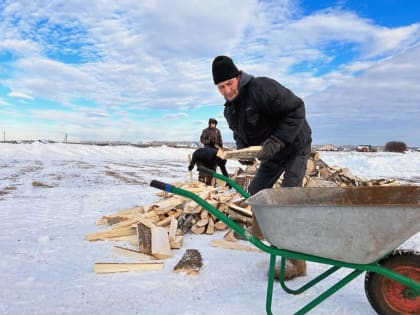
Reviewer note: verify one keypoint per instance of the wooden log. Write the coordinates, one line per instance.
(173, 226)
(177, 242)
(198, 229)
(310, 167)
(210, 226)
(125, 223)
(164, 222)
(249, 153)
(110, 234)
(220, 225)
(240, 210)
(125, 267)
(233, 245)
(144, 235)
(165, 205)
(191, 262)
(202, 222)
(126, 252)
(230, 237)
(160, 243)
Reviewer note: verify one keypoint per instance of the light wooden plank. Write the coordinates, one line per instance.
(102, 267)
(233, 245)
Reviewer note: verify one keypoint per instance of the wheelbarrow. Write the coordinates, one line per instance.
(356, 228)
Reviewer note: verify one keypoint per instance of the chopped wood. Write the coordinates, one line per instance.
(177, 242)
(125, 267)
(248, 153)
(210, 226)
(202, 222)
(198, 229)
(173, 226)
(132, 254)
(110, 234)
(241, 210)
(230, 237)
(125, 223)
(191, 262)
(144, 235)
(160, 243)
(220, 225)
(233, 245)
(165, 205)
(164, 221)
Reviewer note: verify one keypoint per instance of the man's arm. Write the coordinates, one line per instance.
(280, 102)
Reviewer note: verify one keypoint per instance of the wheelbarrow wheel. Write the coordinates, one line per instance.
(389, 297)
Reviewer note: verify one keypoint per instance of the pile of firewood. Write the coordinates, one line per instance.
(158, 228)
(318, 173)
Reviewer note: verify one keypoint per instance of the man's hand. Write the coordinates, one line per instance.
(190, 167)
(270, 147)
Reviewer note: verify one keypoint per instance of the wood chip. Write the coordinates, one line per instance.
(191, 262)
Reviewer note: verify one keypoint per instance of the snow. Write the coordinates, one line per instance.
(46, 266)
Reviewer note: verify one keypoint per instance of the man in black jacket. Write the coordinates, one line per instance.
(208, 158)
(261, 111)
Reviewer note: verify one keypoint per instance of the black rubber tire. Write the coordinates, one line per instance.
(385, 295)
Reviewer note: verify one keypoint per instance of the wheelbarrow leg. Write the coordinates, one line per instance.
(269, 297)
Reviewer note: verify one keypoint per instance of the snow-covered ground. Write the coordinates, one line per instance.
(46, 266)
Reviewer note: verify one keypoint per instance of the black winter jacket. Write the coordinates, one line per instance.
(263, 108)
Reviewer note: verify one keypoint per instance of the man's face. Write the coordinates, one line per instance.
(229, 88)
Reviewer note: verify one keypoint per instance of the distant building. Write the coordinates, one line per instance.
(328, 147)
(364, 148)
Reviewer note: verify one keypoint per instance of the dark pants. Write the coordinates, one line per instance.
(293, 166)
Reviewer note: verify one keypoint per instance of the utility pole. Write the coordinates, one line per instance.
(4, 135)
(65, 138)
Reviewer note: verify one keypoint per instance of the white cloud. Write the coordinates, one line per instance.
(20, 95)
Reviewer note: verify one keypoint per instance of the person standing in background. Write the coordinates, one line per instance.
(211, 136)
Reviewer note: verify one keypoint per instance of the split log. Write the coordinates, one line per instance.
(220, 225)
(191, 262)
(160, 243)
(132, 254)
(210, 226)
(177, 242)
(125, 267)
(240, 210)
(144, 235)
(230, 237)
(198, 229)
(249, 153)
(233, 245)
(126, 231)
(166, 205)
(172, 229)
(125, 223)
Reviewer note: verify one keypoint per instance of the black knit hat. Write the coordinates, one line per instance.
(212, 121)
(223, 69)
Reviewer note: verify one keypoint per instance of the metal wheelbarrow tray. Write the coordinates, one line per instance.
(355, 228)
(355, 225)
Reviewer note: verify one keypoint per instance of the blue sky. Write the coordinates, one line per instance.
(141, 70)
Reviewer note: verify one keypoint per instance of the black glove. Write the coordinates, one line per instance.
(190, 167)
(270, 147)
(246, 162)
